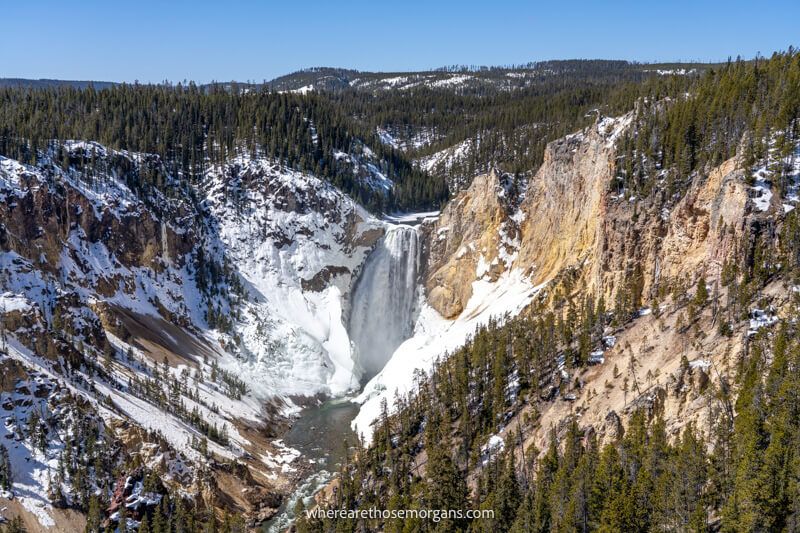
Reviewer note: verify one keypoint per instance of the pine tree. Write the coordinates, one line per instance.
(5, 469)
(701, 294)
(93, 515)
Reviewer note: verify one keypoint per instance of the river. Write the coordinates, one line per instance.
(382, 317)
(319, 433)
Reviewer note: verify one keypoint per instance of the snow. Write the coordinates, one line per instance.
(290, 340)
(29, 467)
(762, 192)
(11, 173)
(420, 137)
(138, 497)
(294, 340)
(283, 459)
(772, 168)
(364, 164)
(434, 336)
(493, 446)
(612, 127)
(411, 218)
(387, 139)
(760, 318)
(508, 248)
(443, 160)
(10, 302)
(597, 357)
(672, 71)
(397, 80)
(482, 268)
(451, 81)
(703, 364)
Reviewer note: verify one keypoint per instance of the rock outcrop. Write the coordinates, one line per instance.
(568, 218)
(541, 227)
(468, 241)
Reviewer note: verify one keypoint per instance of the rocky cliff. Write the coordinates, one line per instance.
(542, 227)
(569, 218)
(572, 228)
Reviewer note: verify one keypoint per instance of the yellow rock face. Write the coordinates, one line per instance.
(466, 236)
(570, 219)
(706, 223)
(482, 232)
(564, 206)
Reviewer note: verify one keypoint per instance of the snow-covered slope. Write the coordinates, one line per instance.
(260, 266)
(434, 337)
(193, 313)
(296, 243)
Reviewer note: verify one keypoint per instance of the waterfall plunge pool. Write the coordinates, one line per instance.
(322, 434)
(382, 316)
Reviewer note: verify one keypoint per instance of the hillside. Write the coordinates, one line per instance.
(139, 303)
(566, 292)
(645, 383)
(474, 79)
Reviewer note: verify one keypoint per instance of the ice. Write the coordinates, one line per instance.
(294, 340)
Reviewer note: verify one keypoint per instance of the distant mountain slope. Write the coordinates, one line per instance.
(48, 83)
(471, 80)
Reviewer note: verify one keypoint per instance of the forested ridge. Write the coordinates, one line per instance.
(190, 128)
(741, 472)
(510, 128)
(745, 107)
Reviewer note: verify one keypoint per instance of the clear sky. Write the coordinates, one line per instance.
(250, 40)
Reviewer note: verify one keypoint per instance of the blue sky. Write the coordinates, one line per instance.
(249, 40)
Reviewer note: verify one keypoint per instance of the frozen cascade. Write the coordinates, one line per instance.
(384, 300)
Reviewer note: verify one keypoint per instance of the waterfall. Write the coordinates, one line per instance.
(164, 243)
(384, 300)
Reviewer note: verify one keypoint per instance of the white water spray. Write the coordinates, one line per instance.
(164, 243)
(385, 299)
